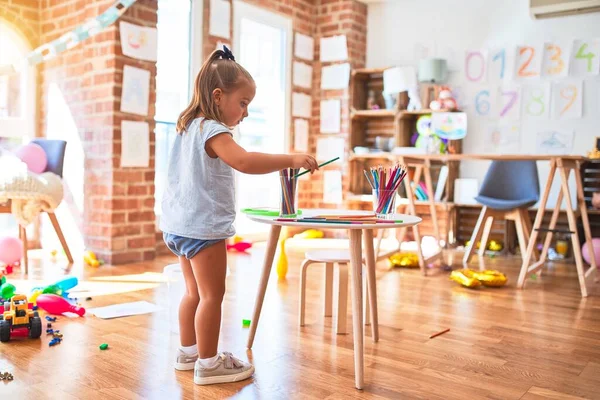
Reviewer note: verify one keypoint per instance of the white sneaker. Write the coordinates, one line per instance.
(227, 368)
(185, 362)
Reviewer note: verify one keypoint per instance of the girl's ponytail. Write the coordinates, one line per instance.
(219, 71)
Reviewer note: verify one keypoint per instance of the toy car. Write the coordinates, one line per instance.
(17, 315)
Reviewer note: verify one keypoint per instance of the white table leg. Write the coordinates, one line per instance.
(372, 282)
(264, 279)
(357, 317)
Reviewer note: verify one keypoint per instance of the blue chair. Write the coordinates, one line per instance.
(508, 190)
(55, 153)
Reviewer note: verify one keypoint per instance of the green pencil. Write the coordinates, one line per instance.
(321, 165)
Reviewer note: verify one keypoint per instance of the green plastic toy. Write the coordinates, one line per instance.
(7, 291)
(103, 346)
(246, 323)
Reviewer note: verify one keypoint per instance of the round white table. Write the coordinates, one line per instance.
(355, 232)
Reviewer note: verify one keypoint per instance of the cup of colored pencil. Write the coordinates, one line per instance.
(289, 192)
(385, 182)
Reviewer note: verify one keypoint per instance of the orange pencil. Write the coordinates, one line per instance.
(439, 333)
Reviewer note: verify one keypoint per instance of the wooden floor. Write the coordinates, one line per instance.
(543, 342)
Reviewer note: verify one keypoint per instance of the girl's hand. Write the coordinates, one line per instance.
(305, 161)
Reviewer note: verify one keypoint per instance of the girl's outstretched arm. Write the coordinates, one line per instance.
(224, 147)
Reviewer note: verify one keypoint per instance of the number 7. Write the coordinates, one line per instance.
(511, 102)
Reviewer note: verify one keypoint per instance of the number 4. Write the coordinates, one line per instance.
(589, 56)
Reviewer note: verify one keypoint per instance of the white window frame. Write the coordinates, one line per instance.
(23, 126)
(242, 9)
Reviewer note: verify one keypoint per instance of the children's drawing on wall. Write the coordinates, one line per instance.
(138, 41)
(554, 142)
(332, 187)
(503, 138)
(567, 99)
(136, 88)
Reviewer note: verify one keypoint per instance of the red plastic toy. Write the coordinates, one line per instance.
(239, 246)
(57, 305)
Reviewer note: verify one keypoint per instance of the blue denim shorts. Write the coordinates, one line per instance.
(186, 247)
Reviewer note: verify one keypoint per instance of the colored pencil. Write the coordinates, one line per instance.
(439, 333)
(320, 165)
(288, 191)
(385, 183)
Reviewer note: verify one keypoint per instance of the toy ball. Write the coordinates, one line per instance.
(34, 156)
(11, 250)
(586, 254)
(7, 290)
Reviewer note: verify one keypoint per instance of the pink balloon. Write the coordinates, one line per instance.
(34, 156)
(11, 250)
(586, 254)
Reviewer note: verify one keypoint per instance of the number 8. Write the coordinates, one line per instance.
(537, 96)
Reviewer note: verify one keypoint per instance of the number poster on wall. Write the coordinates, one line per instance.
(530, 81)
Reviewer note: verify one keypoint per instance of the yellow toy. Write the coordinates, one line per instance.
(17, 315)
(465, 278)
(237, 239)
(90, 259)
(472, 279)
(282, 262)
(33, 297)
(309, 234)
(491, 278)
(402, 259)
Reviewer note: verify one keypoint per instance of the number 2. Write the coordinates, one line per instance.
(569, 93)
(555, 57)
(523, 69)
(502, 55)
(589, 56)
(511, 102)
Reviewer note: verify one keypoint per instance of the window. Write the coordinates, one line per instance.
(17, 90)
(172, 79)
(17, 102)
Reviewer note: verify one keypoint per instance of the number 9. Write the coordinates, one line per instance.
(482, 105)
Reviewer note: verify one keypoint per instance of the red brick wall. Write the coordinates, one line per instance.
(118, 218)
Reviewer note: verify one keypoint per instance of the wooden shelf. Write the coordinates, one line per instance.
(373, 114)
(368, 71)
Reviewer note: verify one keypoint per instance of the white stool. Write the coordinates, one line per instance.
(329, 258)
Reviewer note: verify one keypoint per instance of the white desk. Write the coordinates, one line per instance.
(355, 233)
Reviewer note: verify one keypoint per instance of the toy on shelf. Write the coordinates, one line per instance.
(445, 101)
(54, 304)
(309, 234)
(282, 262)
(240, 247)
(19, 316)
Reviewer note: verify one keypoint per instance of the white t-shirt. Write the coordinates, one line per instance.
(199, 198)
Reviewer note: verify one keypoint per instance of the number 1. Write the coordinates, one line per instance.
(502, 55)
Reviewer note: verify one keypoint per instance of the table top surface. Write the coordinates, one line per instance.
(407, 220)
(459, 157)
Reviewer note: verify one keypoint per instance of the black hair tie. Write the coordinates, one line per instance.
(228, 54)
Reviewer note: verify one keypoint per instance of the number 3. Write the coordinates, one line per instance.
(557, 58)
